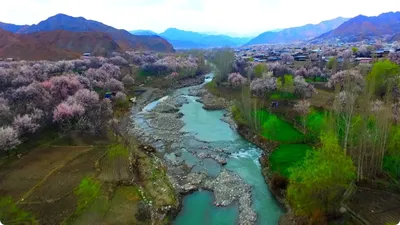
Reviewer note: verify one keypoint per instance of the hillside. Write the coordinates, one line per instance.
(189, 39)
(364, 27)
(395, 37)
(11, 27)
(123, 38)
(295, 34)
(96, 43)
(26, 47)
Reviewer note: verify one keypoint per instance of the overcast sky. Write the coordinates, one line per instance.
(235, 17)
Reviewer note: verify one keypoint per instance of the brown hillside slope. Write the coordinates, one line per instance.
(28, 48)
(96, 43)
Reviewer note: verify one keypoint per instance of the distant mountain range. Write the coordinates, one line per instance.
(296, 34)
(81, 39)
(34, 47)
(364, 27)
(182, 39)
(143, 32)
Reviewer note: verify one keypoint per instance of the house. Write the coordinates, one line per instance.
(300, 58)
(316, 51)
(379, 53)
(363, 60)
(273, 59)
(259, 60)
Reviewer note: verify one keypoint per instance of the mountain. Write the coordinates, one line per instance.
(296, 34)
(123, 38)
(182, 39)
(394, 38)
(28, 47)
(96, 43)
(364, 27)
(11, 27)
(143, 32)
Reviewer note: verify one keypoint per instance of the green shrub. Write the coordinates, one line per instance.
(237, 115)
(11, 214)
(87, 192)
(391, 164)
(287, 156)
(320, 181)
(274, 128)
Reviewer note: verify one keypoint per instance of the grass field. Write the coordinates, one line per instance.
(274, 128)
(286, 156)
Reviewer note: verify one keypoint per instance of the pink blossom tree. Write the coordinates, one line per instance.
(302, 72)
(302, 88)
(8, 139)
(64, 86)
(287, 58)
(5, 77)
(236, 80)
(394, 57)
(65, 111)
(111, 70)
(314, 73)
(347, 77)
(5, 112)
(21, 80)
(120, 96)
(24, 125)
(84, 81)
(114, 85)
(128, 80)
(86, 98)
(303, 108)
(363, 50)
(262, 86)
(347, 54)
(34, 94)
(118, 60)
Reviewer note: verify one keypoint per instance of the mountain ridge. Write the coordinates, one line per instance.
(295, 34)
(65, 22)
(365, 27)
(187, 39)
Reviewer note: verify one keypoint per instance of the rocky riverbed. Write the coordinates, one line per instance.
(193, 164)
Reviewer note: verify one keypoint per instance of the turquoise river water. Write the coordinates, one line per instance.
(198, 208)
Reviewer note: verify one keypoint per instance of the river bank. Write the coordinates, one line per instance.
(266, 145)
(198, 160)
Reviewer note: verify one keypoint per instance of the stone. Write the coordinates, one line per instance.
(164, 107)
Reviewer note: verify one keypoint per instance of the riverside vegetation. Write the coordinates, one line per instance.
(321, 143)
(76, 148)
(67, 155)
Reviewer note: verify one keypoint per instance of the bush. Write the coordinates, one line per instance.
(287, 156)
(274, 128)
(320, 181)
(391, 164)
(10, 213)
(237, 115)
(87, 192)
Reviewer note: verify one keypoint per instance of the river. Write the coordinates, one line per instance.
(203, 131)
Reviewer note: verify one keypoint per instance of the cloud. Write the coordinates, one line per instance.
(223, 16)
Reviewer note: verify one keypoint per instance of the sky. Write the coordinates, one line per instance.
(232, 17)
